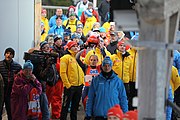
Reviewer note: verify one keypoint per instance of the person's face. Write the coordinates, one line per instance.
(112, 28)
(96, 26)
(113, 118)
(90, 7)
(59, 22)
(113, 37)
(43, 13)
(76, 40)
(122, 47)
(84, 1)
(46, 48)
(93, 60)
(27, 72)
(8, 56)
(59, 12)
(75, 48)
(66, 37)
(79, 30)
(58, 42)
(72, 17)
(106, 68)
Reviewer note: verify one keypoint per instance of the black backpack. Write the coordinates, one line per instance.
(54, 77)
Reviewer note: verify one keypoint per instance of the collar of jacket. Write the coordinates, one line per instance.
(72, 53)
(123, 55)
(114, 42)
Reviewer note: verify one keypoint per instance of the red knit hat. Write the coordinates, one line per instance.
(131, 115)
(71, 44)
(120, 42)
(116, 111)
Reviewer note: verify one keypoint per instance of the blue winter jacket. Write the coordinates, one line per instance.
(56, 30)
(104, 94)
(176, 61)
(52, 20)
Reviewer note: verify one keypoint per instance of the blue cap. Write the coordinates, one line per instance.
(107, 60)
(28, 65)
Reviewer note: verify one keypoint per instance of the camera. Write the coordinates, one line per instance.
(40, 57)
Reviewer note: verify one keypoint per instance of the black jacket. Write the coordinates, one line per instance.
(112, 47)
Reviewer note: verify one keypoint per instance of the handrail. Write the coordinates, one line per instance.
(54, 7)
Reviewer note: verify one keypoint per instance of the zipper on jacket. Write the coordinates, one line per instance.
(78, 72)
(133, 66)
(9, 76)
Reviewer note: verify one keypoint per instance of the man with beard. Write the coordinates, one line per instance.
(8, 69)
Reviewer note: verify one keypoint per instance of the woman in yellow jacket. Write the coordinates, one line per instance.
(122, 63)
(73, 80)
(90, 20)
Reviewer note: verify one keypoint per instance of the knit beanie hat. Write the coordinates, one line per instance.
(43, 43)
(57, 37)
(116, 111)
(107, 60)
(88, 13)
(10, 50)
(131, 115)
(28, 65)
(102, 29)
(71, 44)
(120, 43)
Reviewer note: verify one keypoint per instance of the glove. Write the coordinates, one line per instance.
(103, 52)
(87, 118)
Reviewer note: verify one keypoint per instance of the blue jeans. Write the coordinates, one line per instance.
(44, 106)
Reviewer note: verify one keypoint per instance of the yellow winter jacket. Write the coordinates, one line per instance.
(133, 53)
(106, 25)
(70, 71)
(43, 36)
(97, 52)
(175, 80)
(89, 24)
(121, 66)
(72, 24)
(46, 23)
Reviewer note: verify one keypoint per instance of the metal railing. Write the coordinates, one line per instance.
(51, 10)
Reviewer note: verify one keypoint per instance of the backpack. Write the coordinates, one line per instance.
(34, 110)
(70, 24)
(52, 79)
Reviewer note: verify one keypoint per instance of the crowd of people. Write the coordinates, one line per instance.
(80, 58)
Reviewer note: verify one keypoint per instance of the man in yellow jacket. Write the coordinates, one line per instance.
(71, 22)
(122, 63)
(73, 80)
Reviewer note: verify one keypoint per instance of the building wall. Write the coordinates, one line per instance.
(17, 27)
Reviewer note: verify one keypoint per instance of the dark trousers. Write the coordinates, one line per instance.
(133, 93)
(177, 101)
(100, 118)
(73, 95)
(7, 101)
